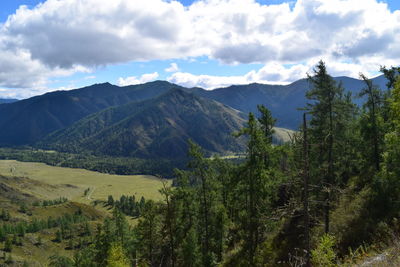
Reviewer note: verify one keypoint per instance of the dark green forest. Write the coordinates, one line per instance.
(328, 196)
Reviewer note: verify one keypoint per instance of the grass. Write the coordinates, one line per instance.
(71, 183)
(38, 255)
(26, 182)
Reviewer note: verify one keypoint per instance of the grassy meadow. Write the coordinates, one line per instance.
(71, 183)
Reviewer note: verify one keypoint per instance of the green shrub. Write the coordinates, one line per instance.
(324, 255)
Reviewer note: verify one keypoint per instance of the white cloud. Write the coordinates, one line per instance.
(172, 68)
(59, 38)
(134, 80)
(272, 73)
(204, 81)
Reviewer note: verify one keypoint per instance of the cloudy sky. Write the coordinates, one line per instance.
(63, 44)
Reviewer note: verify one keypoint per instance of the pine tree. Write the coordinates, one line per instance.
(169, 222)
(391, 75)
(187, 210)
(148, 231)
(267, 122)
(121, 226)
(255, 177)
(372, 123)
(116, 256)
(201, 174)
(330, 110)
(389, 177)
(190, 250)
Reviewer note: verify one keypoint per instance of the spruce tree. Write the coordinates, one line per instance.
(255, 177)
(190, 250)
(330, 110)
(202, 174)
(116, 256)
(148, 233)
(372, 123)
(169, 222)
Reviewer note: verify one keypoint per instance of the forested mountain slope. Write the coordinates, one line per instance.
(29, 120)
(282, 100)
(159, 127)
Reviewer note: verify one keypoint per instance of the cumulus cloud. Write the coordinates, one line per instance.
(134, 80)
(62, 37)
(272, 73)
(95, 33)
(173, 67)
(19, 70)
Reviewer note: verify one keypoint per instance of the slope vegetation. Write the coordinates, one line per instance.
(29, 120)
(157, 128)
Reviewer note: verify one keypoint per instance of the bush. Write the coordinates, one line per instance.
(324, 255)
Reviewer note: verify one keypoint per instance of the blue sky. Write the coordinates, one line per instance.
(206, 43)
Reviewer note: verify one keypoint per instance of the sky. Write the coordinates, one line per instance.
(53, 45)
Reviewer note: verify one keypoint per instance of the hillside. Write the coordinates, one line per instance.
(29, 120)
(282, 100)
(38, 202)
(157, 128)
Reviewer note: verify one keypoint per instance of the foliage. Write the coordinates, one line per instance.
(324, 255)
(46, 203)
(127, 205)
(116, 256)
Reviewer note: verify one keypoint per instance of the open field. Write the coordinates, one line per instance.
(71, 183)
(28, 182)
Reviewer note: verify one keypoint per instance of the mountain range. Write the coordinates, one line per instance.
(151, 120)
(282, 100)
(7, 100)
(29, 120)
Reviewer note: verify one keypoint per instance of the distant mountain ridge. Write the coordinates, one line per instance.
(158, 128)
(29, 121)
(282, 100)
